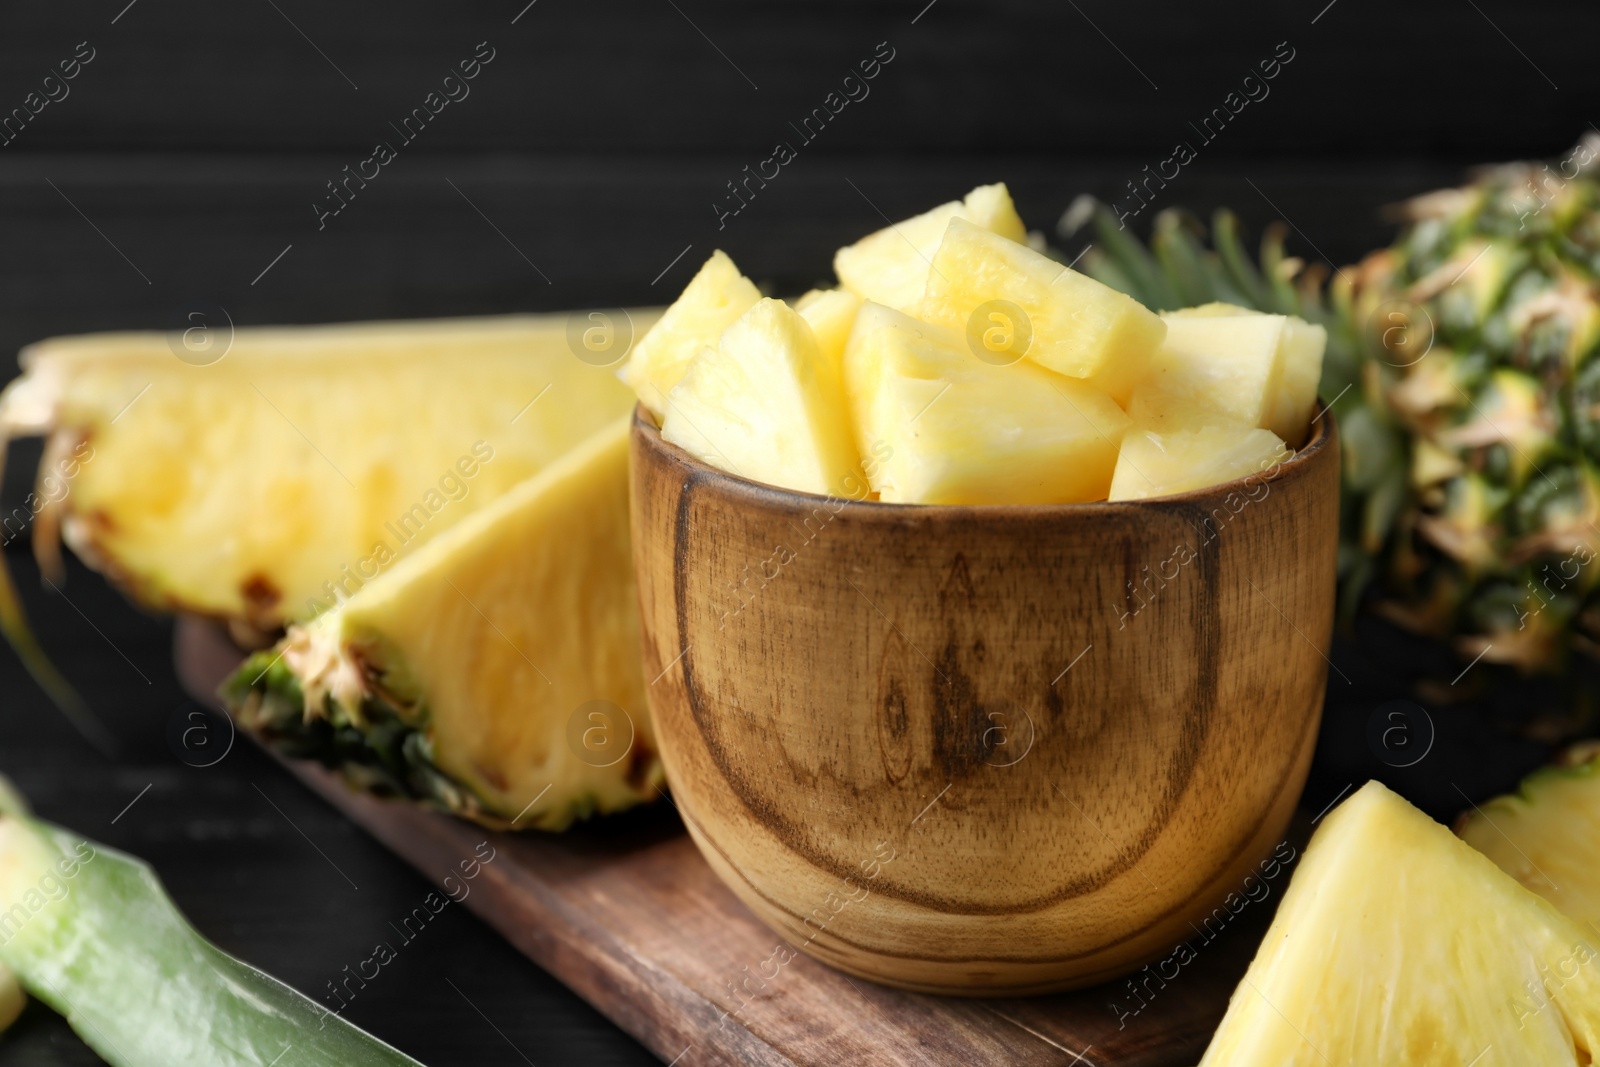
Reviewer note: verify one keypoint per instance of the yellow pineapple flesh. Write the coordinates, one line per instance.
(1547, 834)
(1398, 944)
(940, 426)
(270, 484)
(1076, 326)
(830, 313)
(1151, 464)
(496, 671)
(890, 267)
(714, 298)
(767, 405)
(1229, 346)
(1211, 370)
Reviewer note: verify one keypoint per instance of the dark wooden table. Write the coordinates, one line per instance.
(184, 161)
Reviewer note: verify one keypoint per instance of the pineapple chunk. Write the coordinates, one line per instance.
(891, 266)
(1079, 327)
(1547, 834)
(709, 304)
(830, 313)
(766, 404)
(1211, 370)
(1151, 464)
(1300, 351)
(944, 427)
(463, 675)
(1295, 404)
(1397, 944)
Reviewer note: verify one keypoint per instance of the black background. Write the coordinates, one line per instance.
(586, 158)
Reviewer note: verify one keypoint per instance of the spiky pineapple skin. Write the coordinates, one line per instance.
(1460, 363)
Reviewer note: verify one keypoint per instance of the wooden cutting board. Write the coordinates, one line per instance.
(625, 912)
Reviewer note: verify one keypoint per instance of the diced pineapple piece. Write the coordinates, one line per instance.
(830, 313)
(766, 404)
(1077, 326)
(1151, 464)
(1295, 404)
(1300, 350)
(1212, 370)
(891, 266)
(945, 427)
(709, 304)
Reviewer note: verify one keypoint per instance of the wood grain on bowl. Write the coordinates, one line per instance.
(984, 749)
(626, 912)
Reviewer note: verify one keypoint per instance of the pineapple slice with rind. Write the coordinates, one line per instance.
(1300, 350)
(890, 266)
(944, 427)
(1546, 835)
(768, 405)
(1151, 464)
(1074, 325)
(476, 673)
(262, 486)
(714, 298)
(1398, 944)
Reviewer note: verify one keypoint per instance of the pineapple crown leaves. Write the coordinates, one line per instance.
(1459, 361)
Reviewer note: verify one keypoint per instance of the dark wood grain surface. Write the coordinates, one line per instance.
(631, 918)
(190, 150)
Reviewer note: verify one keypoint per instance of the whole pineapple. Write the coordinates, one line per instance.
(1460, 367)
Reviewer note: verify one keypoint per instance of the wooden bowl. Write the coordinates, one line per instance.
(984, 749)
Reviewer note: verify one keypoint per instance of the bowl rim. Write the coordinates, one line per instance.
(1324, 437)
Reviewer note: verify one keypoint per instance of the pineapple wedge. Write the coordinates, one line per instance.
(1547, 834)
(716, 296)
(1211, 370)
(830, 313)
(767, 405)
(1397, 944)
(943, 427)
(890, 266)
(471, 674)
(269, 484)
(1151, 464)
(1077, 326)
(1300, 350)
